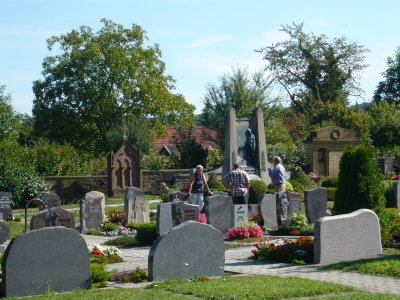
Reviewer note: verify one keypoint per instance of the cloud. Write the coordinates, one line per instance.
(207, 41)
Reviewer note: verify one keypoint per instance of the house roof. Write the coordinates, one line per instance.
(203, 136)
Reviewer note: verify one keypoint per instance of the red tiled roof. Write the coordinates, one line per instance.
(203, 136)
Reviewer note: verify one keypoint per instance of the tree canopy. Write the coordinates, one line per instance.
(8, 118)
(313, 70)
(97, 80)
(389, 88)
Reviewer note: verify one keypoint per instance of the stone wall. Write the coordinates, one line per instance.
(72, 188)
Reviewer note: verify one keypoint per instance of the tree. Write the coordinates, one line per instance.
(389, 88)
(8, 118)
(313, 70)
(100, 79)
(241, 92)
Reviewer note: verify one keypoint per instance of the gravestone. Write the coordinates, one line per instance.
(268, 207)
(294, 203)
(316, 204)
(181, 181)
(55, 216)
(219, 212)
(177, 196)
(347, 237)
(188, 250)
(50, 259)
(5, 206)
(50, 200)
(282, 203)
(397, 194)
(386, 165)
(136, 208)
(4, 232)
(239, 214)
(92, 211)
(172, 214)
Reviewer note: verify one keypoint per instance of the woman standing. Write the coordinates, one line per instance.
(197, 183)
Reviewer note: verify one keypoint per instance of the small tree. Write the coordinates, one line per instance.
(359, 184)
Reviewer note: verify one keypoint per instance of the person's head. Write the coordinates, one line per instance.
(277, 160)
(236, 165)
(199, 169)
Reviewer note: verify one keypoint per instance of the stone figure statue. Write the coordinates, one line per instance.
(249, 151)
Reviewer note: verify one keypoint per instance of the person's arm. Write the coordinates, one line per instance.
(190, 185)
(206, 185)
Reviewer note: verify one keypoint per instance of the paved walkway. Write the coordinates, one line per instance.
(236, 261)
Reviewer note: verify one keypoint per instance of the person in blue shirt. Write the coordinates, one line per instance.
(278, 174)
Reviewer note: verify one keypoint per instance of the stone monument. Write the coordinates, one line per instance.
(92, 210)
(5, 206)
(50, 200)
(136, 208)
(55, 216)
(245, 144)
(316, 203)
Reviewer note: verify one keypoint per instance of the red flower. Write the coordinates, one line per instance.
(97, 252)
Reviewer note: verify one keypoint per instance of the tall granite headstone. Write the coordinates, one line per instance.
(4, 232)
(347, 237)
(219, 212)
(268, 207)
(92, 210)
(5, 206)
(50, 200)
(172, 214)
(397, 194)
(188, 250)
(55, 216)
(136, 208)
(316, 203)
(37, 261)
(239, 214)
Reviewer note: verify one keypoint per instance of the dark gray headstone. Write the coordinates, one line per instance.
(172, 214)
(219, 212)
(55, 259)
(50, 200)
(136, 208)
(55, 216)
(240, 213)
(316, 204)
(181, 181)
(92, 210)
(4, 232)
(268, 209)
(5, 206)
(177, 196)
(294, 203)
(397, 194)
(386, 165)
(282, 208)
(189, 249)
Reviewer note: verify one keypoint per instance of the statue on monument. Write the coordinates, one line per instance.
(249, 150)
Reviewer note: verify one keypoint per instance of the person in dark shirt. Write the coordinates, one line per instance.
(196, 186)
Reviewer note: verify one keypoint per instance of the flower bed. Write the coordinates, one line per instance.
(244, 231)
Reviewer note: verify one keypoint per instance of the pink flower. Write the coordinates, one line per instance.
(202, 218)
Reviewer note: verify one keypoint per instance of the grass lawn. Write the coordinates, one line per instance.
(388, 265)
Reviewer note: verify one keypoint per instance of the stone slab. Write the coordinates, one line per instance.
(268, 207)
(347, 237)
(55, 216)
(397, 194)
(190, 249)
(239, 214)
(92, 210)
(4, 232)
(50, 200)
(6, 206)
(55, 259)
(171, 214)
(316, 203)
(219, 212)
(136, 208)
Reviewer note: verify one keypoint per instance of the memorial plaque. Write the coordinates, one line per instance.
(239, 214)
(55, 216)
(6, 206)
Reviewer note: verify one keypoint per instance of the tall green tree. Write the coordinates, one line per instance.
(389, 88)
(95, 80)
(240, 91)
(314, 70)
(8, 118)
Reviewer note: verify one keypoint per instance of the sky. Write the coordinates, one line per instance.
(200, 40)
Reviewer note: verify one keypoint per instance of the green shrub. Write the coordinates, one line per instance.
(298, 220)
(389, 195)
(136, 276)
(389, 219)
(146, 232)
(330, 182)
(215, 184)
(288, 186)
(303, 179)
(359, 184)
(123, 241)
(99, 275)
(257, 189)
(331, 191)
(108, 226)
(297, 186)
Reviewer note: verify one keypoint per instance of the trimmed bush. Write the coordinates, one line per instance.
(288, 186)
(331, 191)
(330, 182)
(146, 232)
(303, 179)
(389, 195)
(389, 219)
(297, 186)
(360, 182)
(257, 189)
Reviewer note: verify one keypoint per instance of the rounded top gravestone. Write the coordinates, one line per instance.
(54, 258)
(4, 232)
